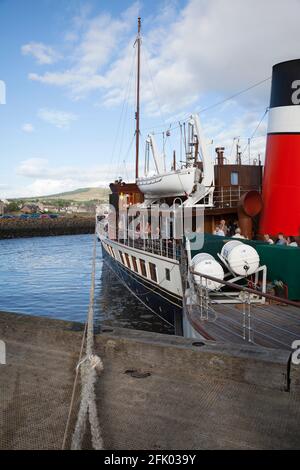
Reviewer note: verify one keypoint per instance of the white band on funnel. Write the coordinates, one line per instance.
(284, 120)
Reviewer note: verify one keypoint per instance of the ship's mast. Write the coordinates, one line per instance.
(137, 115)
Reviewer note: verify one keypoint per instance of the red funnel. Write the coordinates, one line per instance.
(281, 184)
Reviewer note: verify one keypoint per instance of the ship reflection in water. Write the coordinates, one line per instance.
(51, 276)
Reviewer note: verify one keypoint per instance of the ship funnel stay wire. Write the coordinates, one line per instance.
(212, 106)
(255, 130)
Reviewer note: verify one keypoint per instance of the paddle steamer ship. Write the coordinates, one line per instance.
(151, 261)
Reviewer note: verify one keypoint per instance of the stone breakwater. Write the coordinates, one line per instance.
(18, 228)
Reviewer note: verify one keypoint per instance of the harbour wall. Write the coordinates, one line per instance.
(18, 228)
(192, 360)
(155, 392)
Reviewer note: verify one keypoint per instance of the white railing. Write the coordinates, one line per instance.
(272, 325)
(162, 247)
(229, 196)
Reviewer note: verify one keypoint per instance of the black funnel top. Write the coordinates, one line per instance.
(286, 84)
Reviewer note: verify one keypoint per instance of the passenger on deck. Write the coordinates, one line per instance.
(232, 226)
(281, 240)
(156, 234)
(148, 230)
(224, 227)
(137, 233)
(238, 233)
(268, 239)
(218, 231)
(291, 241)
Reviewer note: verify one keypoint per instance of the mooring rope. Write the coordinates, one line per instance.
(89, 366)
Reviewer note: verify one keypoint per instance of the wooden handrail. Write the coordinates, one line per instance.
(247, 289)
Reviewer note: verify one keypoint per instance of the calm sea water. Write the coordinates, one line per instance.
(51, 276)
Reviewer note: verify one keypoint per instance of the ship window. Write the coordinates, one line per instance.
(153, 274)
(234, 178)
(168, 275)
(143, 267)
(127, 259)
(111, 251)
(121, 256)
(134, 263)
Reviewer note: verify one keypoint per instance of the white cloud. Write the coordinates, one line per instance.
(2, 92)
(44, 187)
(28, 128)
(45, 55)
(46, 179)
(60, 119)
(32, 167)
(40, 168)
(207, 47)
(194, 56)
(239, 130)
(100, 41)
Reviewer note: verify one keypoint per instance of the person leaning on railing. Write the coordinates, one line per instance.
(281, 240)
(238, 233)
(268, 239)
(291, 241)
(224, 227)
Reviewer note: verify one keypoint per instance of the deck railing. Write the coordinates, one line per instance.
(229, 196)
(274, 323)
(166, 247)
(162, 247)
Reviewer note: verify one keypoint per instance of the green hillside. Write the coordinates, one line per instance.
(78, 195)
(82, 194)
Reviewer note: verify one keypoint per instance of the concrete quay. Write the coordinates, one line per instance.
(157, 392)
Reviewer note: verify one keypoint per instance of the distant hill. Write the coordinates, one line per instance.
(81, 194)
(78, 195)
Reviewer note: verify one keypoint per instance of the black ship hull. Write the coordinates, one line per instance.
(152, 296)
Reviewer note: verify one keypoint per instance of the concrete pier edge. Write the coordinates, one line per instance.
(155, 392)
(176, 356)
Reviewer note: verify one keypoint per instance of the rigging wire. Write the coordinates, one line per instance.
(214, 105)
(125, 116)
(233, 141)
(154, 89)
(166, 135)
(255, 130)
(125, 100)
(234, 95)
(138, 297)
(181, 142)
(129, 148)
(124, 111)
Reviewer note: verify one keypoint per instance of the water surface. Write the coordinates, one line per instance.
(50, 276)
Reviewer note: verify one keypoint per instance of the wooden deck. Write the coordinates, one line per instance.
(272, 325)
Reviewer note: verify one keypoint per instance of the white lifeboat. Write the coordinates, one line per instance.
(169, 184)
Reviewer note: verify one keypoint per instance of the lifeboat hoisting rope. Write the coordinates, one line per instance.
(89, 366)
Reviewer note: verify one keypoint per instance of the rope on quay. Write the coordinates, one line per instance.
(89, 366)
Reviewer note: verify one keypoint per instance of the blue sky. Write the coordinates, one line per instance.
(67, 66)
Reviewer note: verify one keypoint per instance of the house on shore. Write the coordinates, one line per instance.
(50, 208)
(30, 209)
(3, 205)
